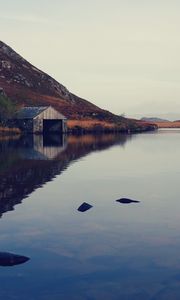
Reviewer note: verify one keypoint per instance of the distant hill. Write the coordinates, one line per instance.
(162, 123)
(28, 86)
(154, 119)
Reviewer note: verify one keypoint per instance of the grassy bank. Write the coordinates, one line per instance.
(175, 124)
(95, 125)
(89, 126)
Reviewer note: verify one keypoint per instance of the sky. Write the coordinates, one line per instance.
(122, 55)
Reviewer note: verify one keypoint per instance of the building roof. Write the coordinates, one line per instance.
(34, 111)
(30, 112)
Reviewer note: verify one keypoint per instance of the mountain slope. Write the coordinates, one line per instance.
(29, 86)
(21, 80)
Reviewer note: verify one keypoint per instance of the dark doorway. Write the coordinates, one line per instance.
(52, 140)
(52, 126)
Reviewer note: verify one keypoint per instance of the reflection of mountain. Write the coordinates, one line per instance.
(28, 163)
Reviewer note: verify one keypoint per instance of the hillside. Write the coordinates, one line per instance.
(28, 86)
(169, 124)
(154, 119)
(162, 123)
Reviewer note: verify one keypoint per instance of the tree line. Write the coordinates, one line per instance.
(7, 108)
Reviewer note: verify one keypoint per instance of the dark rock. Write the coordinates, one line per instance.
(10, 259)
(126, 201)
(84, 207)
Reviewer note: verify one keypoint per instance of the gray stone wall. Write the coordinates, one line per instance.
(23, 125)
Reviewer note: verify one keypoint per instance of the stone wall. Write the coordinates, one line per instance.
(23, 125)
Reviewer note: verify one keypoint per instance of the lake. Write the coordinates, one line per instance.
(112, 250)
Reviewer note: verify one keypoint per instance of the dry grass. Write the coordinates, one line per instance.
(168, 124)
(89, 124)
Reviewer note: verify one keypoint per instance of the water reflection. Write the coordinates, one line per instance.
(35, 147)
(112, 251)
(27, 163)
(10, 259)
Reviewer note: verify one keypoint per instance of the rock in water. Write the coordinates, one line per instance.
(84, 207)
(126, 201)
(10, 259)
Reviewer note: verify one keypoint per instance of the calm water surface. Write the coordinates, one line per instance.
(111, 251)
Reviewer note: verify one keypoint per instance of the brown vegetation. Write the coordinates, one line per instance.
(25, 85)
(89, 125)
(6, 130)
(175, 124)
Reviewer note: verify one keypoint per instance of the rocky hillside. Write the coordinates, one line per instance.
(14, 69)
(28, 86)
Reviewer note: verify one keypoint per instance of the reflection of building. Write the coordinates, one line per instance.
(43, 147)
(39, 147)
(50, 146)
(43, 119)
(31, 161)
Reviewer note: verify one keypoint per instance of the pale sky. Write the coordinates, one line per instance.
(122, 55)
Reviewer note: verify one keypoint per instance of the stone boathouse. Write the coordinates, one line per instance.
(41, 119)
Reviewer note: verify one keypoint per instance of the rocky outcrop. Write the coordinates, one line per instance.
(127, 201)
(15, 69)
(84, 207)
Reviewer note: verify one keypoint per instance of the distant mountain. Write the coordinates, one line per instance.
(28, 86)
(169, 116)
(163, 123)
(153, 119)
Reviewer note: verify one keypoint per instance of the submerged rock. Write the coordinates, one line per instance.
(84, 207)
(10, 259)
(126, 201)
